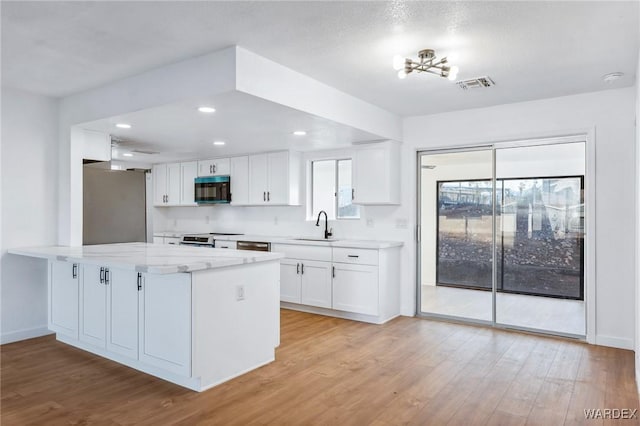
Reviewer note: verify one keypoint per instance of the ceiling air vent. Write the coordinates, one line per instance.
(143, 151)
(476, 83)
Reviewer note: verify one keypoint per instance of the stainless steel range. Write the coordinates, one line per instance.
(202, 240)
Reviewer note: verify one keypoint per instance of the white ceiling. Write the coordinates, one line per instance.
(245, 123)
(532, 50)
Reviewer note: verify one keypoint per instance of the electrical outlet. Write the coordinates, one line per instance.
(240, 292)
(402, 223)
(370, 223)
(275, 220)
(175, 223)
(206, 220)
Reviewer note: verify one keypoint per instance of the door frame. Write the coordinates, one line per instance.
(589, 273)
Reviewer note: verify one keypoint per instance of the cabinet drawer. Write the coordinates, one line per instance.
(226, 244)
(355, 256)
(295, 251)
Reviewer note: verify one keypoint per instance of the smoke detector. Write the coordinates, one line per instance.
(476, 83)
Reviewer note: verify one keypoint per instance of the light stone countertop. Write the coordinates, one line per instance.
(337, 242)
(151, 258)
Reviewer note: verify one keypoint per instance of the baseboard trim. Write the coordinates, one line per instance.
(28, 333)
(614, 342)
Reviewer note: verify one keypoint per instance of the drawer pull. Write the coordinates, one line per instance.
(355, 256)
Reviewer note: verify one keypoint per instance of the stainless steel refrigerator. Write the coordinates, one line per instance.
(114, 205)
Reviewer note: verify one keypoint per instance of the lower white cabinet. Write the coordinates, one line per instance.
(226, 244)
(355, 288)
(315, 283)
(109, 309)
(352, 283)
(64, 281)
(165, 322)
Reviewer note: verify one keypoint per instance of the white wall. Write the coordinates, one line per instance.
(609, 115)
(637, 348)
(29, 210)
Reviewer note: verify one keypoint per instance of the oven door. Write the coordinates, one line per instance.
(213, 190)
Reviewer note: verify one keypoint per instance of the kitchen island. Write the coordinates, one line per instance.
(195, 317)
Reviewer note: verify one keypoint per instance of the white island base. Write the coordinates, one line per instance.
(192, 329)
(195, 317)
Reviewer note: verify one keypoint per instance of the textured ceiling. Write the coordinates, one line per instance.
(532, 50)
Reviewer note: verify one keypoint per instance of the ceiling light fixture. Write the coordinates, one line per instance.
(427, 62)
(299, 133)
(127, 154)
(206, 109)
(218, 143)
(123, 126)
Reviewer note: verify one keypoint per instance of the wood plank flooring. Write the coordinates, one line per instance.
(336, 372)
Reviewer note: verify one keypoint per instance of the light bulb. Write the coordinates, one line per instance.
(453, 73)
(402, 74)
(398, 62)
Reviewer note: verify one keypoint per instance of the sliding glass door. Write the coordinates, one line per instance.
(502, 236)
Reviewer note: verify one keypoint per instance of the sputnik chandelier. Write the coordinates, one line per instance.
(427, 62)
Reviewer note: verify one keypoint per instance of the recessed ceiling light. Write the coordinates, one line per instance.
(611, 77)
(299, 133)
(218, 143)
(206, 109)
(127, 154)
(123, 126)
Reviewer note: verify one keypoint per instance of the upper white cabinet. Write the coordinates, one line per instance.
(166, 184)
(274, 178)
(239, 175)
(376, 173)
(188, 173)
(63, 298)
(173, 184)
(215, 167)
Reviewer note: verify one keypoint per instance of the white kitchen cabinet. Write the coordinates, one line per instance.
(109, 309)
(122, 312)
(63, 298)
(376, 173)
(290, 282)
(93, 305)
(215, 167)
(188, 173)
(167, 184)
(226, 244)
(239, 176)
(316, 284)
(274, 178)
(355, 288)
(165, 322)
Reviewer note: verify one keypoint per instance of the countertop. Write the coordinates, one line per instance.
(151, 258)
(364, 244)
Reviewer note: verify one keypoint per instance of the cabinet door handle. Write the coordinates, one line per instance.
(297, 268)
(139, 281)
(106, 276)
(353, 194)
(264, 196)
(214, 168)
(210, 168)
(333, 272)
(355, 256)
(268, 196)
(74, 271)
(101, 275)
(302, 269)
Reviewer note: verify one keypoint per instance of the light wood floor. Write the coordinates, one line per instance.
(336, 372)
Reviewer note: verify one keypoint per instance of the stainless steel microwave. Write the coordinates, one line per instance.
(213, 190)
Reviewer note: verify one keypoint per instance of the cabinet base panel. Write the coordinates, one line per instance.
(195, 384)
(372, 319)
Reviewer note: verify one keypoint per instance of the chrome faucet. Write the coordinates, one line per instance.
(327, 232)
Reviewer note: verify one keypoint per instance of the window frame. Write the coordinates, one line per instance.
(336, 181)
